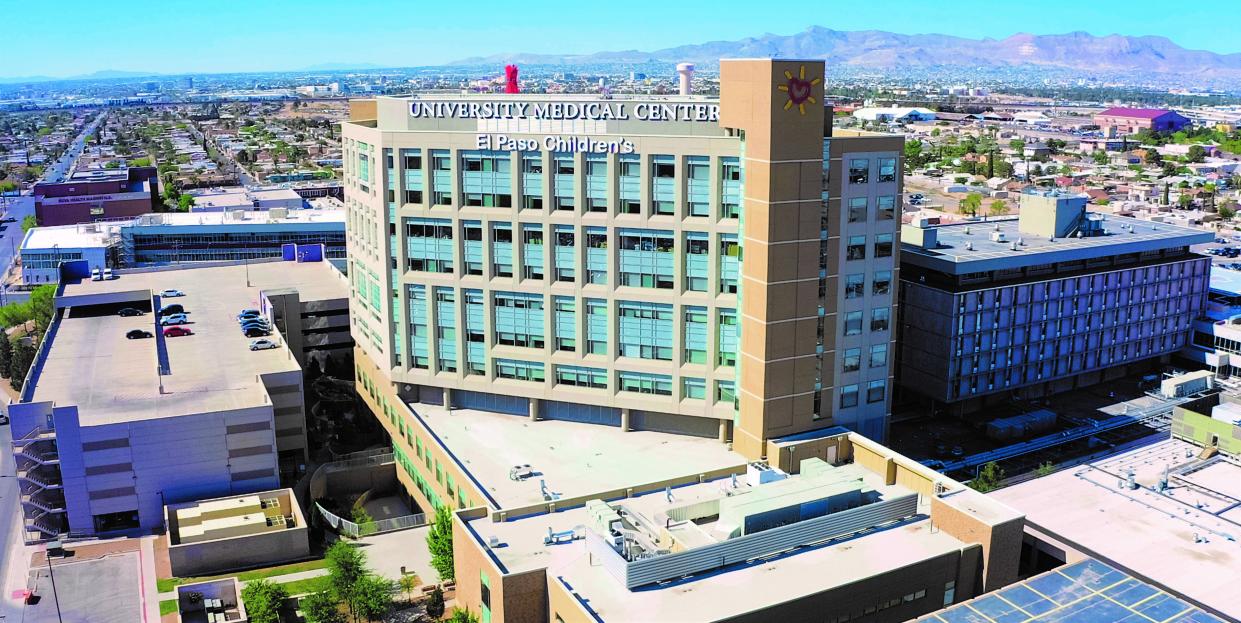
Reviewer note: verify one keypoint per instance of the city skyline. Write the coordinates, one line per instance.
(268, 37)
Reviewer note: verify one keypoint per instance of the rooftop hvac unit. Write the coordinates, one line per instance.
(279, 213)
(997, 236)
(239, 215)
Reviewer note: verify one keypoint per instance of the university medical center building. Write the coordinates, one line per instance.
(712, 268)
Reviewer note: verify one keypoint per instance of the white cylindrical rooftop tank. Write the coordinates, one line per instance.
(686, 70)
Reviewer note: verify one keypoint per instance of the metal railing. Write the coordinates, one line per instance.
(347, 528)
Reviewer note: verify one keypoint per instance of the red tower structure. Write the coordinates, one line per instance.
(510, 79)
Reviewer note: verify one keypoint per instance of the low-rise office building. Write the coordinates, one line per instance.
(180, 238)
(237, 532)
(230, 198)
(97, 195)
(114, 423)
(1055, 299)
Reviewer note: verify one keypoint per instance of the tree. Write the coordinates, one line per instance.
(461, 615)
(439, 542)
(1100, 157)
(999, 207)
(1044, 469)
(1017, 145)
(184, 202)
(42, 306)
(29, 222)
(1226, 211)
(23, 356)
(346, 565)
(6, 354)
(971, 204)
(140, 162)
(372, 597)
(435, 603)
(989, 478)
(321, 607)
(1153, 157)
(1196, 154)
(408, 581)
(263, 600)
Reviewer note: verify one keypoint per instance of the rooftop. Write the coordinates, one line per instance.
(571, 458)
(82, 235)
(1183, 539)
(1225, 281)
(1135, 113)
(712, 594)
(1087, 591)
(112, 379)
(986, 245)
(250, 218)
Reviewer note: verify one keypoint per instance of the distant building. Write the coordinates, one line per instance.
(894, 114)
(1132, 120)
(241, 198)
(97, 195)
(1056, 299)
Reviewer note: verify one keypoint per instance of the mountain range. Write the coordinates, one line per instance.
(97, 75)
(878, 49)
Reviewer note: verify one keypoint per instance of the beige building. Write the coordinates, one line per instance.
(577, 258)
(220, 534)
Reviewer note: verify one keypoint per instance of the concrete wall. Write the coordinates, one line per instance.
(257, 550)
(1000, 540)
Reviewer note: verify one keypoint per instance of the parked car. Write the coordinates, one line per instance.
(129, 311)
(262, 344)
(254, 321)
(8, 219)
(175, 308)
(255, 332)
(107, 274)
(247, 312)
(176, 331)
(171, 293)
(139, 334)
(96, 274)
(175, 319)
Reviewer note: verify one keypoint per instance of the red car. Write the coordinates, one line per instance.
(176, 331)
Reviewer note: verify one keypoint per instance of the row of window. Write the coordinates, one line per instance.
(597, 378)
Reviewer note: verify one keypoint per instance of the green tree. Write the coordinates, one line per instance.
(184, 202)
(1196, 154)
(42, 306)
(999, 207)
(372, 597)
(6, 354)
(140, 162)
(264, 600)
(1153, 157)
(1044, 469)
(408, 582)
(461, 615)
(971, 204)
(23, 356)
(29, 222)
(1227, 211)
(346, 565)
(7, 186)
(1017, 145)
(321, 607)
(1100, 157)
(989, 478)
(439, 542)
(435, 603)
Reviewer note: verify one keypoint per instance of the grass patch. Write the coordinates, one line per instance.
(309, 585)
(165, 585)
(168, 606)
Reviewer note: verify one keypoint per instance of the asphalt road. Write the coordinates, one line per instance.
(57, 172)
(16, 208)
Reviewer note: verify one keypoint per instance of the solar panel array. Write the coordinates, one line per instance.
(1083, 592)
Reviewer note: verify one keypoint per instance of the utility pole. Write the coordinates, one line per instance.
(48, 557)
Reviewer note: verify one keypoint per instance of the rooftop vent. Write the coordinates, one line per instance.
(1013, 246)
(969, 246)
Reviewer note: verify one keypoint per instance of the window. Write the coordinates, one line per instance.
(887, 208)
(697, 246)
(641, 383)
(879, 356)
(578, 376)
(855, 286)
(645, 330)
(666, 170)
(882, 282)
(730, 256)
(857, 210)
(565, 319)
(726, 391)
(859, 171)
(645, 258)
(883, 245)
(518, 319)
(413, 196)
(852, 360)
(856, 250)
(853, 323)
(694, 388)
(695, 346)
(413, 162)
(532, 164)
(848, 396)
(519, 370)
(887, 170)
(879, 319)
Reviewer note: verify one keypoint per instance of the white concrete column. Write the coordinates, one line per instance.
(624, 420)
(534, 409)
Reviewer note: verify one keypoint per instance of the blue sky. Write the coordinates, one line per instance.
(69, 37)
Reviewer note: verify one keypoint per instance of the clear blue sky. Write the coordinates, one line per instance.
(68, 37)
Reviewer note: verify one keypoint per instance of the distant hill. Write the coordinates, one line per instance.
(105, 74)
(879, 49)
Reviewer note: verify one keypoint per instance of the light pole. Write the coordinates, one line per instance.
(47, 555)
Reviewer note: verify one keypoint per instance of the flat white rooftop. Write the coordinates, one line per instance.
(80, 236)
(1148, 533)
(572, 458)
(719, 593)
(111, 379)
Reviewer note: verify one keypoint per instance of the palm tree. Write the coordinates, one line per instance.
(408, 583)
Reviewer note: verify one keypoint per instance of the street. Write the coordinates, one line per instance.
(58, 171)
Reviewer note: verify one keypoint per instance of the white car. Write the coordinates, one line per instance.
(171, 294)
(263, 344)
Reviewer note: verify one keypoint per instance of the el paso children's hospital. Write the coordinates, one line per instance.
(584, 320)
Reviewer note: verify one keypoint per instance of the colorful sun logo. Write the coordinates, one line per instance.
(799, 89)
